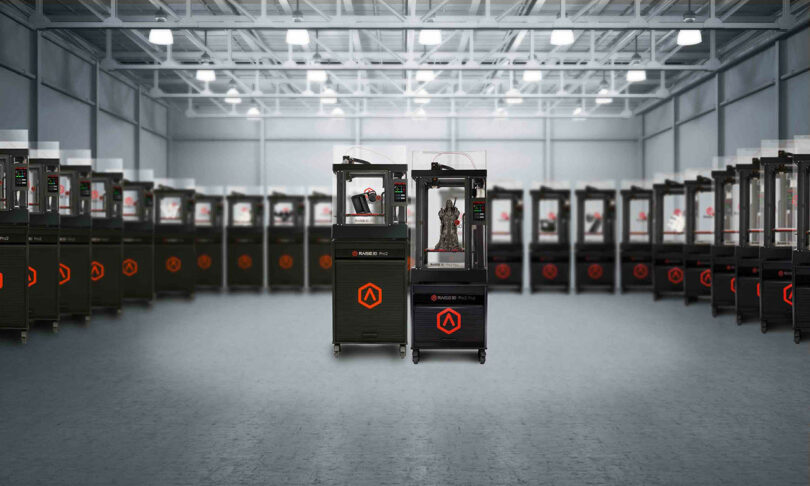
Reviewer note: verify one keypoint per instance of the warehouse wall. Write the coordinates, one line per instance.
(64, 103)
(299, 151)
(766, 96)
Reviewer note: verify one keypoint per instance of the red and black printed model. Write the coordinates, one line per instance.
(370, 251)
(550, 249)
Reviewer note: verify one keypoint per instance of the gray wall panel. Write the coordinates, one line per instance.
(749, 121)
(154, 116)
(696, 100)
(658, 119)
(66, 120)
(659, 155)
(66, 71)
(216, 163)
(591, 161)
(116, 139)
(749, 74)
(116, 97)
(697, 143)
(15, 100)
(797, 51)
(153, 153)
(16, 46)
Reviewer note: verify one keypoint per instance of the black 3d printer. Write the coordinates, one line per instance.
(595, 250)
(107, 248)
(175, 254)
(726, 237)
(370, 251)
(697, 250)
(319, 234)
(139, 236)
(550, 249)
(776, 253)
(635, 249)
(505, 246)
(285, 240)
(14, 273)
(43, 234)
(449, 283)
(245, 239)
(209, 209)
(76, 223)
(801, 255)
(745, 284)
(669, 225)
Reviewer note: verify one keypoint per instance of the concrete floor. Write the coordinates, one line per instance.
(243, 389)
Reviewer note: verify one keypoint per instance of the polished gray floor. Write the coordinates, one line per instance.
(243, 389)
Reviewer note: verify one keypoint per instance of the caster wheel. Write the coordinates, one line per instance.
(118, 312)
(763, 326)
(55, 327)
(714, 311)
(656, 296)
(402, 351)
(23, 337)
(337, 350)
(797, 336)
(739, 320)
(415, 356)
(482, 356)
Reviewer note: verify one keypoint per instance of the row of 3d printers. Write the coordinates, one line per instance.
(80, 235)
(737, 236)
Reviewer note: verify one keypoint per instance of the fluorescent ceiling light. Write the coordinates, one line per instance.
(420, 114)
(161, 37)
(297, 37)
(338, 111)
(421, 101)
(500, 112)
(331, 96)
(430, 37)
(605, 100)
(562, 37)
(636, 75)
(316, 76)
(513, 96)
(532, 76)
(206, 75)
(253, 113)
(577, 111)
(689, 37)
(232, 96)
(425, 76)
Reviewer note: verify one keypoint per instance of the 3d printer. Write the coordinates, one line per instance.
(175, 253)
(319, 234)
(801, 255)
(285, 239)
(107, 250)
(726, 238)
(139, 236)
(245, 238)
(669, 233)
(209, 210)
(595, 250)
(505, 246)
(776, 253)
(75, 197)
(15, 275)
(635, 249)
(697, 251)
(550, 249)
(745, 284)
(449, 283)
(370, 250)
(43, 233)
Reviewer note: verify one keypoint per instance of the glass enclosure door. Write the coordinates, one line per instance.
(501, 220)
(131, 202)
(322, 213)
(3, 186)
(785, 207)
(98, 199)
(446, 219)
(171, 210)
(34, 188)
(548, 228)
(242, 213)
(704, 217)
(731, 214)
(755, 223)
(203, 213)
(364, 199)
(594, 228)
(283, 213)
(674, 219)
(639, 211)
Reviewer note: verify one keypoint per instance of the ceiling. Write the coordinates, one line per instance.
(484, 51)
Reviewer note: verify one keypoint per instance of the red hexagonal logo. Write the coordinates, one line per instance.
(550, 271)
(369, 295)
(448, 321)
(244, 261)
(174, 264)
(32, 276)
(787, 294)
(503, 271)
(96, 271)
(64, 274)
(204, 261)
(129, 267)
(285, 261)
(706, 278)
(641, 270)
(595, 271)
(325, 261)
(733, 285)
(675, 275)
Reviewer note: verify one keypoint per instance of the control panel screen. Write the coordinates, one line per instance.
(21, 177)
(53, 184)
(400, 191)
(117, 193)
(479, 207)
(84, 188)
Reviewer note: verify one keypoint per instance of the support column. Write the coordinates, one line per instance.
(263, 178)
(777, 84)
(548, 172)
(676, 163)
(718, 111)
(138, 130)
(37, 98)
(96, 107)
